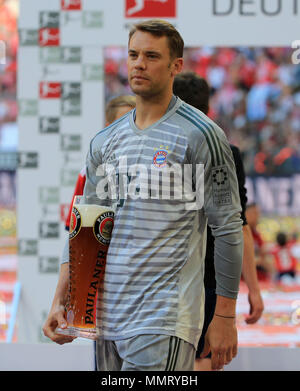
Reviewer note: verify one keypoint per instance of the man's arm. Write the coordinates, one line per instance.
(250, 276)
(219, 341)
(222, 208)
(249, 265)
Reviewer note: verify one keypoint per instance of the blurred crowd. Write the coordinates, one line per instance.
(8, 67)
(255, 98)
(8, 99)
(277, 260)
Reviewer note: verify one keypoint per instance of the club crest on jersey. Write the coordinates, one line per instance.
(160, 157)
(75, 223)
(103, 227)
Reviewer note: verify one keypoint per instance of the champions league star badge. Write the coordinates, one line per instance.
(75, 223)
(103, 227)
(160, 157)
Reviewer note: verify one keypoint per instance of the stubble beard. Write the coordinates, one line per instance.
(147, 93)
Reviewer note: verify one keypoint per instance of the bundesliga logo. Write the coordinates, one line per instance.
(49, 37)
(71, 5)
(150, 8)
(50, 89)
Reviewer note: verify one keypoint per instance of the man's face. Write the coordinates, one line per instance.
(150, 68)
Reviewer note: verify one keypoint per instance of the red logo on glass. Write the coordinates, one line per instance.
(150, 8)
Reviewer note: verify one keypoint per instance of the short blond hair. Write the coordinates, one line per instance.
(113, 105)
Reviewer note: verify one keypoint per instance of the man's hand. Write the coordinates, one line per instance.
(221, 340)
(256, 307)
(56, 319)
(250, 277)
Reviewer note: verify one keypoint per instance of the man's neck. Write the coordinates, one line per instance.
(150, 110)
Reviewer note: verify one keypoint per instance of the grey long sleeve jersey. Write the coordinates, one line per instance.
(155, 264)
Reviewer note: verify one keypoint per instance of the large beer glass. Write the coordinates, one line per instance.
(89, 237)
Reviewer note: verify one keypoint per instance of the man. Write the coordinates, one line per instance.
(194, 90)
(151, 314)
(116, 108)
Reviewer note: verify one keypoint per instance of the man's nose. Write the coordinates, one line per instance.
(140, 62)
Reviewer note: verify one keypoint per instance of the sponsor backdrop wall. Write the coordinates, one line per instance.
(61, 106)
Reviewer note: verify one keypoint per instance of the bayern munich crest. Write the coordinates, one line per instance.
(103, 227)
(160, 158)
(75, 223)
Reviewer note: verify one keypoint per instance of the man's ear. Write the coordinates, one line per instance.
(177, 66)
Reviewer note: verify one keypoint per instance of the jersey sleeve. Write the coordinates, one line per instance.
(222, 207)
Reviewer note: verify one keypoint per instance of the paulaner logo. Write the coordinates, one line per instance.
(75, 223)
(103, 227)
(138, 181)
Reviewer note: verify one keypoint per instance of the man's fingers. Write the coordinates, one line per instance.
(206, 349)
(234, 351)
(222, 336)
(228, 356)
(49, 329)
(214, 360)
(251, 319)
(61, 321)
(217, 359)
(221, 357)
(254, 316)
(60, 338)
(256, 308)
(65, 339)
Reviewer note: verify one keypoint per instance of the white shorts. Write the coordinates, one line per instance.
(145, 353)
